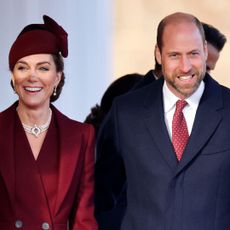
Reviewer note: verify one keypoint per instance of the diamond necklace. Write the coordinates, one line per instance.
(38, 129)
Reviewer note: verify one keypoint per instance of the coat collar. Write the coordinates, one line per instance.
(208, 117)
(154, 120)
(209, 107)
(68, 160)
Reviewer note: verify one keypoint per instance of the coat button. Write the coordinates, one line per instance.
(45, 226)
(18, 224)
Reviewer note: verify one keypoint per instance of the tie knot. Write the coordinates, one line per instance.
(180, 104)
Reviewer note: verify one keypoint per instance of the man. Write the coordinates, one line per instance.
(170, 186)
(215, 43)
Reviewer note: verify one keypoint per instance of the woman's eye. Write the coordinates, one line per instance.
(21, 68)
(43, 68)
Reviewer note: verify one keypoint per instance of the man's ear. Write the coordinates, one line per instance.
(158, 54)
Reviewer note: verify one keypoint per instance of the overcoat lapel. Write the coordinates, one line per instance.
(155, 123)
(207, 118)
(7, 168)
(68, 160)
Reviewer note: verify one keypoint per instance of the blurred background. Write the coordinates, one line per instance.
(107, 39)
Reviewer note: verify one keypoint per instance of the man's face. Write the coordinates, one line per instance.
(183, 58)
(213, 56)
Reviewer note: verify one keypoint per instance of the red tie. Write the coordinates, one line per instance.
(179, 129)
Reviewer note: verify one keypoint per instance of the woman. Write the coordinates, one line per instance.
(47, 159)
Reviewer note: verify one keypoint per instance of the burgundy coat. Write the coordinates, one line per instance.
(74, 207)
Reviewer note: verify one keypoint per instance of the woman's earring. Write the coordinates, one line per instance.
(55, 91)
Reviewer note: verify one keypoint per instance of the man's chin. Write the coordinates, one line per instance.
(187, 92)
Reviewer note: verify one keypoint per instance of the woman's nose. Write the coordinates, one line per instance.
(32, 75)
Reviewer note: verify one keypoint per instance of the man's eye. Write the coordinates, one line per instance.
(174, 55)
(195, 53)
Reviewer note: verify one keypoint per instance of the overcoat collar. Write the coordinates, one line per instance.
(68, 160)
(207, 118)
(69, 147)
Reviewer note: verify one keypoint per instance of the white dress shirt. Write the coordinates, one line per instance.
(189, 111)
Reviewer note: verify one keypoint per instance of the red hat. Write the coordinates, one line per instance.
(48, 38)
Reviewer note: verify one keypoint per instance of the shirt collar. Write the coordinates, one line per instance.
(170, 99)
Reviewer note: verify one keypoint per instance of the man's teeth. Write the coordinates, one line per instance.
(32, 89)
(185, 77)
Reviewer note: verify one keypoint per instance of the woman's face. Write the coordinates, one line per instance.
(34, 79)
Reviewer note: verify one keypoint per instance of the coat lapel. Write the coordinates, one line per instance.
(68, 160)
(155, 123)
(207, 118)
